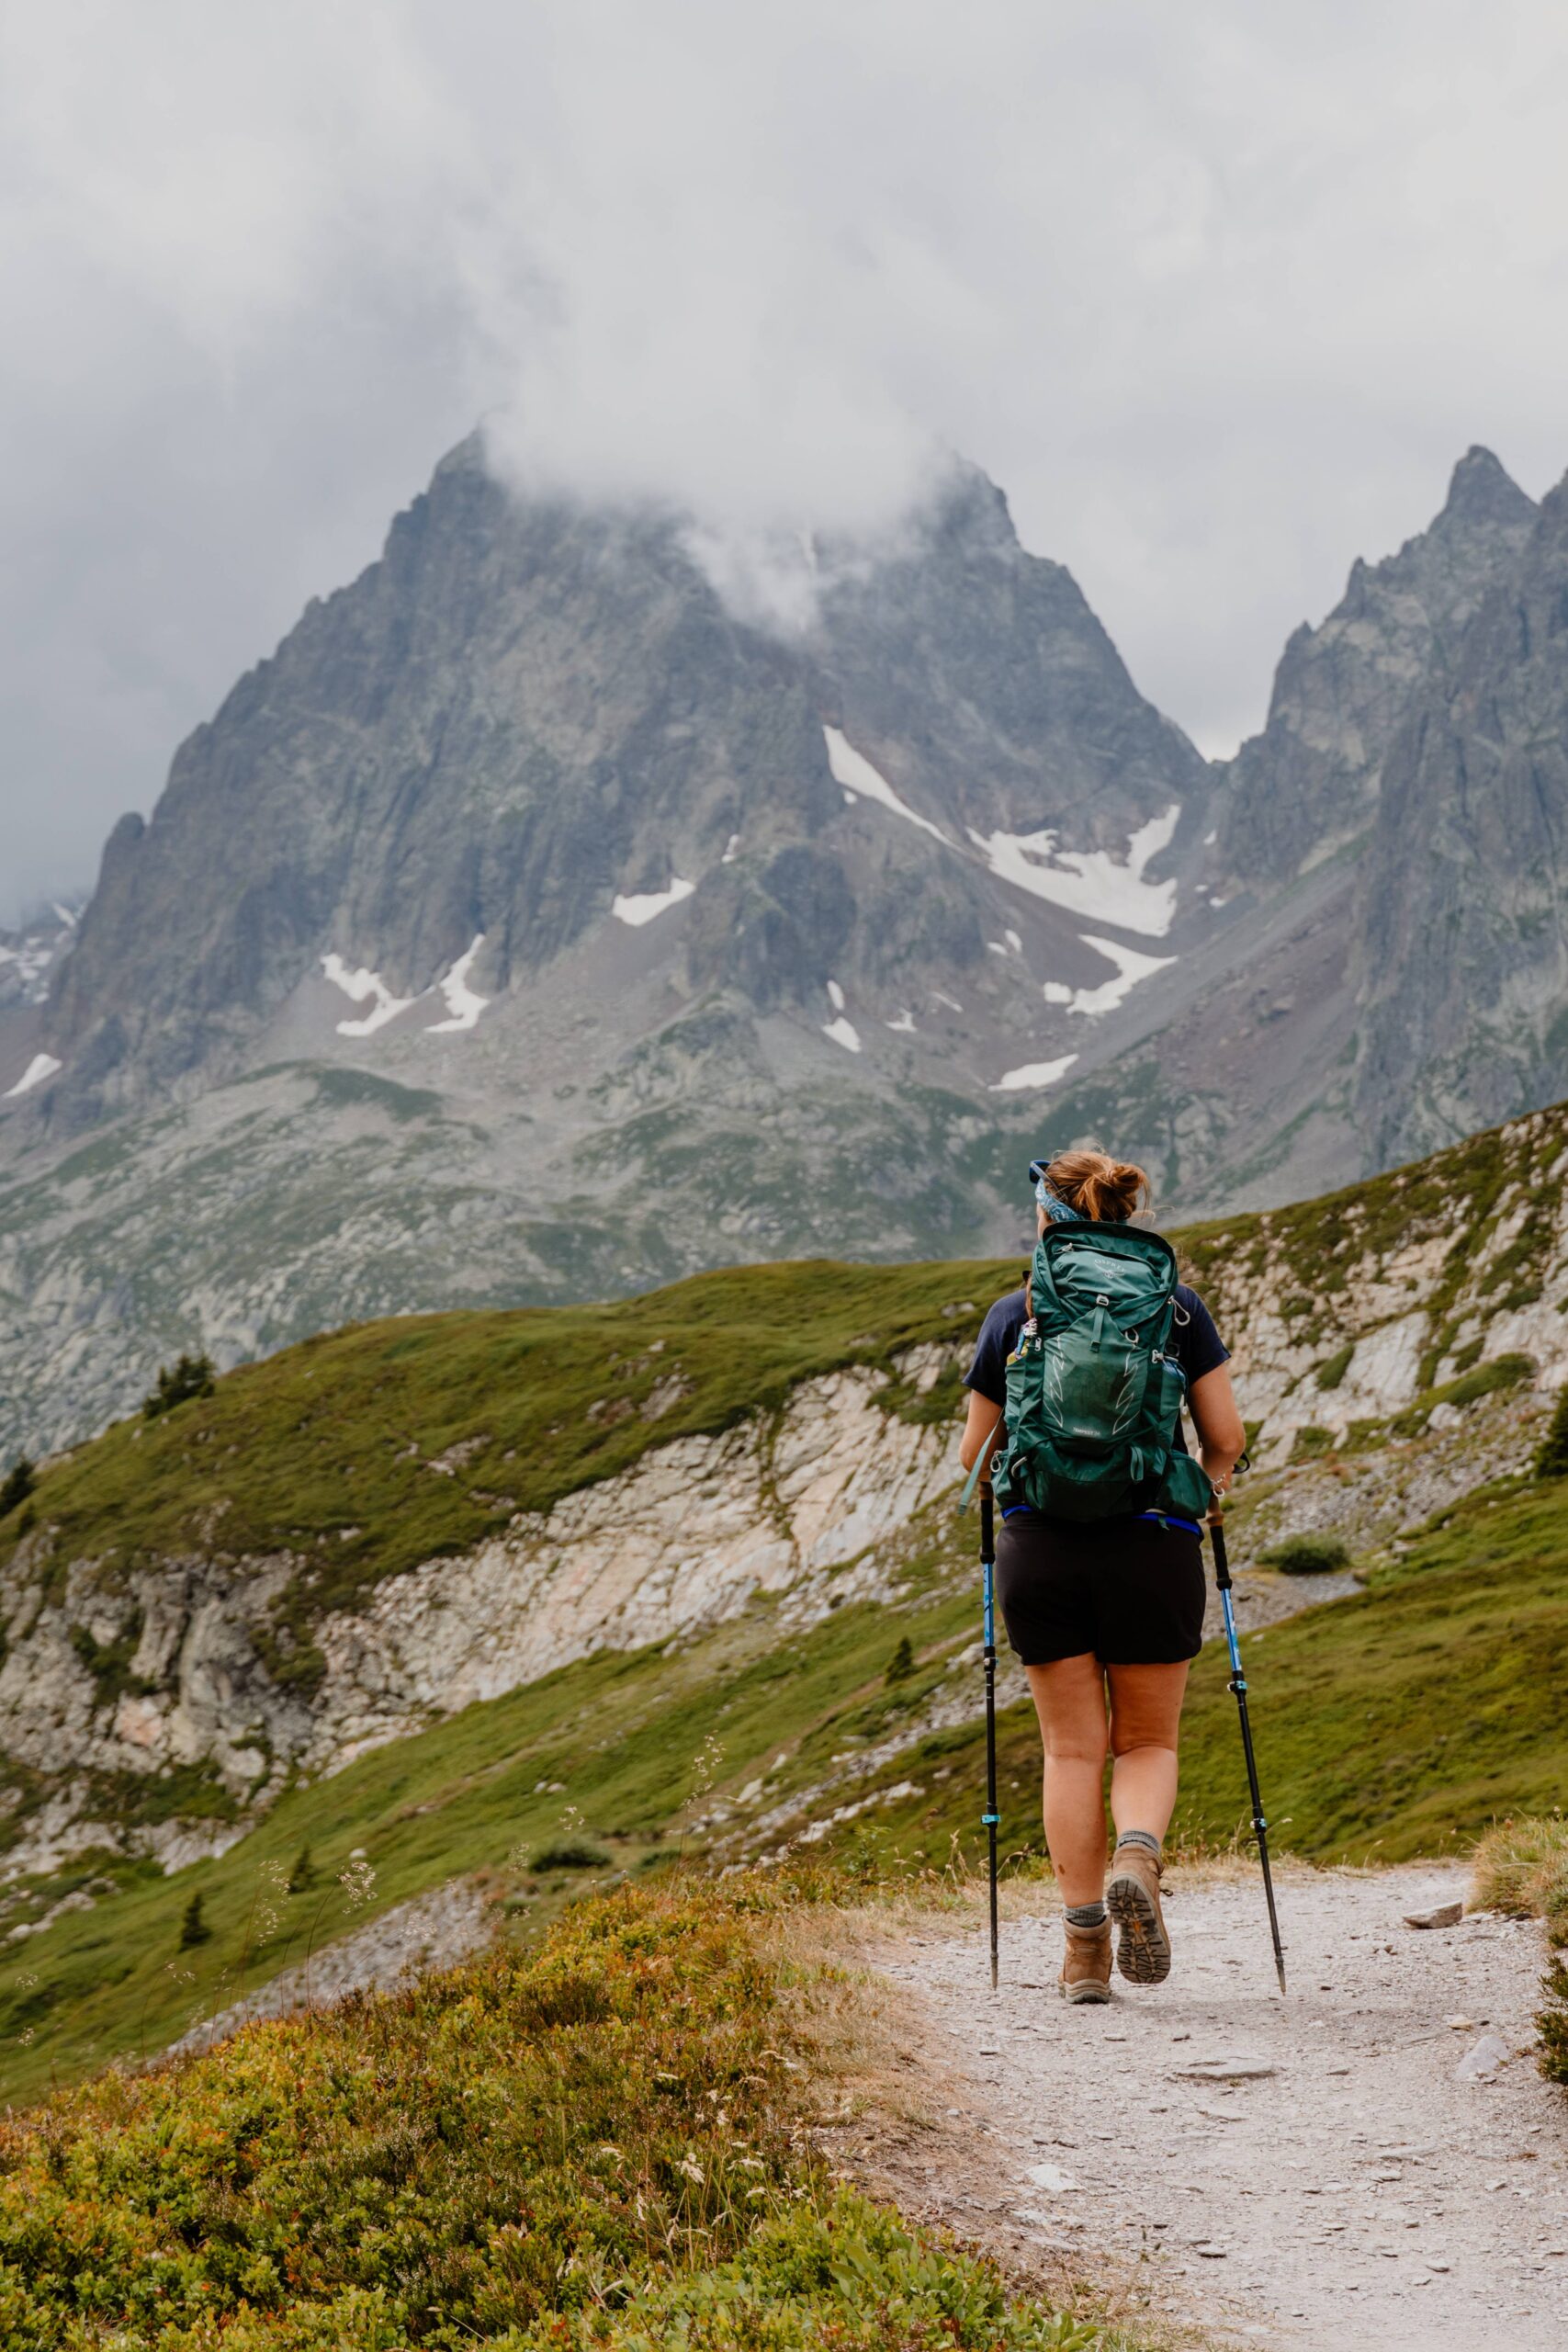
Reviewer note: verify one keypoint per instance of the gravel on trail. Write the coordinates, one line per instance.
(1375, 2161)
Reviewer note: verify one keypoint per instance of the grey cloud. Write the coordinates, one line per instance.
(1218, 294)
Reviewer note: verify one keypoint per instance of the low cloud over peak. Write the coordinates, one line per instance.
(1218, 296)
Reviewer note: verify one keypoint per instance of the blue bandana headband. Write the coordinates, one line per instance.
(1055, 1207)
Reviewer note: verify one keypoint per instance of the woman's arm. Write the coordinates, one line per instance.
(980, 1431)
(1222, 1434)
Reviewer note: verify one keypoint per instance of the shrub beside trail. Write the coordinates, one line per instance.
(1314, 1554)
(1521, 1867)
(607, 2144)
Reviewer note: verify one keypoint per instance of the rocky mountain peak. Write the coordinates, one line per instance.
(532, 714)
(1482, 492)
(1461, 973)
(1310, 782)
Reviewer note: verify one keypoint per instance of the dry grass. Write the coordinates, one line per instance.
(1521, 1867)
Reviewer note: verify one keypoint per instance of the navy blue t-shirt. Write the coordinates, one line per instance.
(1196, 1345)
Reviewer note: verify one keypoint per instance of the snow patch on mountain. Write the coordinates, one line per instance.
(41, 1066)
(643, 907)
(1131, 966)
(1090, 882)
(1030, 1075)
(855, 773)
(358, 986)
(843, 1032)
(462, 1007)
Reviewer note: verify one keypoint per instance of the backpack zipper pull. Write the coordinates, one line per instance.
(1100, 1303)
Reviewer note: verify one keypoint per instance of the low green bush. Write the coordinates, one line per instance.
(572, 1854)
(1485, 1380)
(606, 2142)
(193, 1377)
(1314, 1554)
(194, 1929)
(16, 1485)
(1551, 1454)
(847, 2279)
(1503, 1372)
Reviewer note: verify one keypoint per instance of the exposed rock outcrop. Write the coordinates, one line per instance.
(102, 1682)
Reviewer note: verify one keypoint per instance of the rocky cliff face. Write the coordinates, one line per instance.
(1462, 946)
(529, 716)
(1322, 1031)
(115, 1681)
(1310, 782)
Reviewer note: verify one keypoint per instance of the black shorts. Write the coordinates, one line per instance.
(1130, 1589)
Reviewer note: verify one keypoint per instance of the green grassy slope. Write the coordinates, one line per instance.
(1395, 1724)
(606, 2144)
(326, 1445)
(1398, 1723)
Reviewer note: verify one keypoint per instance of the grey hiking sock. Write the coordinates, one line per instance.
(1086, 1915)
(1144, 1838)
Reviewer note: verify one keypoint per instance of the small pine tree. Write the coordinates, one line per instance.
(1552, 1460)
(902, 1661)
(303, 1874)
(16, 1485)
(194, 1929)
(192, 1376)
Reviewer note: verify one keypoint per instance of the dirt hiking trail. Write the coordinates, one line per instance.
(1313, 2171)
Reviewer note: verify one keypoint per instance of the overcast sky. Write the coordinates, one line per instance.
(1217, 292)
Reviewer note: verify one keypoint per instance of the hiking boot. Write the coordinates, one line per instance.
(1143, 1950)
(1086, 1966)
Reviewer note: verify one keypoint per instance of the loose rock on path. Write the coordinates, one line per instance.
(1321, 2169)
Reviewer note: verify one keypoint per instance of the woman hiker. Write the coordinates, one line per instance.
(1108, 1610)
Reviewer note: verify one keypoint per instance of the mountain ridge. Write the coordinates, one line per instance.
(529, 926)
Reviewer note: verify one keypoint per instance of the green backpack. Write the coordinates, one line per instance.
(1093, 1398)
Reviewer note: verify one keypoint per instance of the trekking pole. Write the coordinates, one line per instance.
(987, 1558)
(1238, 1684)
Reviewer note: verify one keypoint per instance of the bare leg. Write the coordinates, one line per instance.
(1145, 1718)
(1069, 1698)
